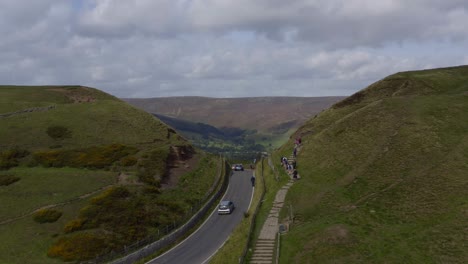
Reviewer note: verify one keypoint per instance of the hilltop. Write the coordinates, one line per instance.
(83, 173)
(384, 175)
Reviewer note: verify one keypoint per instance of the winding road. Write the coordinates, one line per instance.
(199, 247)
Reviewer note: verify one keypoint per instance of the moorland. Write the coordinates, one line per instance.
(82, 174)
(384, 175)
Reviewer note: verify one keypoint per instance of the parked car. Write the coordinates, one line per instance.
(225, 207)
(238, 167)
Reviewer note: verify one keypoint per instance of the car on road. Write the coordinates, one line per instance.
(238, 167)
(226, 207)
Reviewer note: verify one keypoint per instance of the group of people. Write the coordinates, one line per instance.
(290, 165)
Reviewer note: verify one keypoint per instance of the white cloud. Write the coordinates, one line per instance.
(151, 48)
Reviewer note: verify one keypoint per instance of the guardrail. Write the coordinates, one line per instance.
(171, 233)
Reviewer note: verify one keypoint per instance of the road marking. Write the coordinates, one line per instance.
(251, 198)
(192, 233)
(216, 250)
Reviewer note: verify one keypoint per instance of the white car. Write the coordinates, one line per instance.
(225, 207)
(238, 167)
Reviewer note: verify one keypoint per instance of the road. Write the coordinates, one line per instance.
(203, 244)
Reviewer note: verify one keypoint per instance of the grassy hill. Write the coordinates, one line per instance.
(384, 175)
(83, 173)
(216, 140)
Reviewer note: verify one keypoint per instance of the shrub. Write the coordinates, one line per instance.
(79, 247)
(10, 158)
(116, 211)
(6, 180)
(128, 161)
(106, 206)
(51, 158)
(152, 168)
(151, 190)
(7, 163)
(74, 225)
(58, 132)
(47, 216)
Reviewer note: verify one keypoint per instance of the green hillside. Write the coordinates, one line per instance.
(384, 175)
(230, 141)
(83, 173)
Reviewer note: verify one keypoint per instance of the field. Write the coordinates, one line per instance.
(39, 187)
(25, 241)
(384, 175)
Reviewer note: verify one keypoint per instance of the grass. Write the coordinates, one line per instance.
(101, 122)
(25, 241)
(383, 176)
(82, 127)
(272, 141)
(39, 187)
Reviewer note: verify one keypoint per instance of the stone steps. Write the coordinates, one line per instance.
(264, 250)
(263, 253)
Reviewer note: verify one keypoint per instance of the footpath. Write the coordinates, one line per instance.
(264, 250)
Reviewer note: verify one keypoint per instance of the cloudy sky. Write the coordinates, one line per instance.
(227, 48)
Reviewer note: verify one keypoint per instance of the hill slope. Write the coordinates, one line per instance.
(384, 175)
(83, 173)
(216, 140)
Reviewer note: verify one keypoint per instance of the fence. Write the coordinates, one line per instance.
(171, 233)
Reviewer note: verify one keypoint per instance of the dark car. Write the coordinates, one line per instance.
(238, 167)
(225, 207)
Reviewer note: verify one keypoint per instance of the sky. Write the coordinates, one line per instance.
(227, 48)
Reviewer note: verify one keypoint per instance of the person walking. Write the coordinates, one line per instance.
(252, 180)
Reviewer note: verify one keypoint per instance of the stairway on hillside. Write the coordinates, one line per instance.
(265, 247)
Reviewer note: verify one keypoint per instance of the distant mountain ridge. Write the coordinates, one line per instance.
(265, 114)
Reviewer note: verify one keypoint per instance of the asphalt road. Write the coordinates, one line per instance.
(203, 244)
